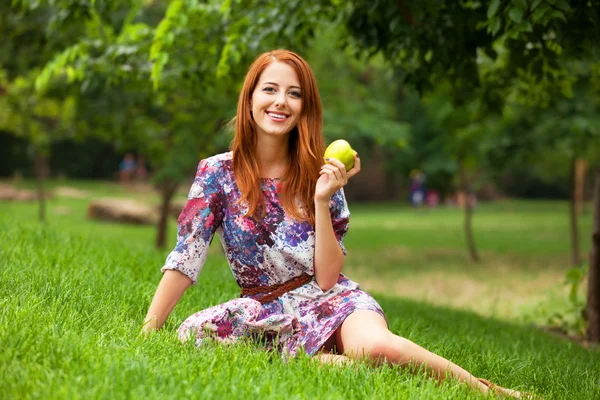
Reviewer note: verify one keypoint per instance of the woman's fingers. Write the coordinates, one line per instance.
(331, 174)
(337, 173)
(337, 163)
(338, 166)
(356, 169)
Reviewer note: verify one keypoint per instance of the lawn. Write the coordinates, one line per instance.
(73, 294)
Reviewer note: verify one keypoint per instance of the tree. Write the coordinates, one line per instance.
(173, 101)
(175, 91)
(172, 123)
(593, 296)
(551, 139)
(39, 119)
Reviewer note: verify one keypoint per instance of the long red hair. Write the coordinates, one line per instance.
(306, 142)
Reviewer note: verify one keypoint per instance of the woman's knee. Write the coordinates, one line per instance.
(376, 346)
(363, 334)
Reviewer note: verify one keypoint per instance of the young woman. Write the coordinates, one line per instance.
(281, 215)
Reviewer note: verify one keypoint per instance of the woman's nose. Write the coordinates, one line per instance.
(280, 100)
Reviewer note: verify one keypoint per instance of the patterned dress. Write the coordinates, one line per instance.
(261, 252)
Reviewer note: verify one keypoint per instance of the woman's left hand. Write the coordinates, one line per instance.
(333, 177)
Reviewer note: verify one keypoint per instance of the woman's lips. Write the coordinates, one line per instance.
(277, 117)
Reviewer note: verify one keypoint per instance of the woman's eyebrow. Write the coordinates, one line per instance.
(276, 84)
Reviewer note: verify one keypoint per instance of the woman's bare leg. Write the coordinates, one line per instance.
(365, 335)
(334, 359)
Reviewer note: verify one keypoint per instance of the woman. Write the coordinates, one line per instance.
(281, 216)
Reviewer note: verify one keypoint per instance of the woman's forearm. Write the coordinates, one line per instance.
(329, 258)
(170, 289)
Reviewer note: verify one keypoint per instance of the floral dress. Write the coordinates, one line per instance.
(262, 252)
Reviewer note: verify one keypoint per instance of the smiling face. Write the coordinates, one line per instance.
(277, 100)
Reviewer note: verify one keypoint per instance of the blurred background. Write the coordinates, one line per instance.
(451, 105)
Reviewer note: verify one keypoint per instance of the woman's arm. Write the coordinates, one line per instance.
(197, 223)
(169, 291)
(329, 258)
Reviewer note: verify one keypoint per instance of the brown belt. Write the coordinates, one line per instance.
(272, 292)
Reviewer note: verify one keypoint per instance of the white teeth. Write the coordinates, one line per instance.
(278, 116)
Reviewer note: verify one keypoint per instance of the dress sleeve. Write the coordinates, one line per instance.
(340, 217)
(197, 223)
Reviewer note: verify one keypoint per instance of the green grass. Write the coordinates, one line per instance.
(73, 294)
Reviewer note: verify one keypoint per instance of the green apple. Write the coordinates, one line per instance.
(341, 150)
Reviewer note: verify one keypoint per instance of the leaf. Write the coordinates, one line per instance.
(555, 47)
(157, 69)
(524, 27)
(428, 55)
(539, 13)
(226, 8)
(516, 14)
(522, 4)
(573, 293)
(495, 26)
(563, 5)
(165, 27)
(574, 275)
(559, 15)
(223, 64)
(493, 8)
(57, 65)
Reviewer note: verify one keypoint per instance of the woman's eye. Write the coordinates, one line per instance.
(269, 89)
(296, 94)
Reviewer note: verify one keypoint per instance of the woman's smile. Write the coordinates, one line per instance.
(277, 116)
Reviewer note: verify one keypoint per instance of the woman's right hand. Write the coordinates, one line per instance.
(333, 177)
(170, 289)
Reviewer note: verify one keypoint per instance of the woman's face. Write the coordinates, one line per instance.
(277, 100)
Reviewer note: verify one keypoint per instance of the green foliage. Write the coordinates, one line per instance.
(38, 119)
(195, 58)
(187, 40)
(548, 139)
(573, 319)
(150, 76)
(357, 97)
(111, 68)
(430, 40)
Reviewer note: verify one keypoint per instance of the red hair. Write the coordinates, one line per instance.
(306, 142)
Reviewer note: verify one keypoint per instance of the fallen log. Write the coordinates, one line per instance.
(123, 211)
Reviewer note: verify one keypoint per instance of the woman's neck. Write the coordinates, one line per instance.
(272, 154)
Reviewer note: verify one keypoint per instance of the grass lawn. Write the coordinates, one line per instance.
(73, 294)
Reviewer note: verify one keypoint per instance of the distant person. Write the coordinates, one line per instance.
(433, 198)
(127, 168)
(417, 188)
(281, 216)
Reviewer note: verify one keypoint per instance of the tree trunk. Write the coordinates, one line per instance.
(593, 296)
(468, 205)
(573, 213)
(40, 166)
(167, 190)
(580, 172)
